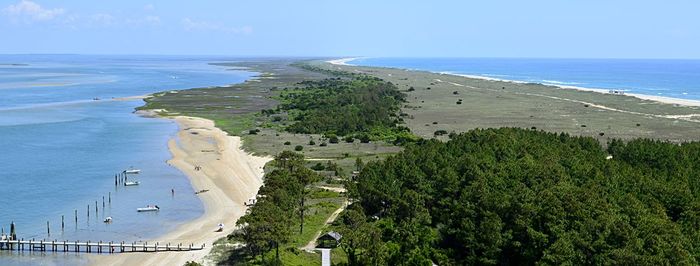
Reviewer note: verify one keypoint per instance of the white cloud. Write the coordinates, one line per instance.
(144, 21)
(102, 19)
(193, 25)
(27, 11)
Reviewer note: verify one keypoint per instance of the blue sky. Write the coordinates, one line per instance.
(494, 28)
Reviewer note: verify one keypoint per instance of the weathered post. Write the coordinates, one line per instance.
(97, 211)
(110, 198)
(103, 202)
(75, 212)
(63, 225)
(88, 211)
(115, 181)
(48, 229)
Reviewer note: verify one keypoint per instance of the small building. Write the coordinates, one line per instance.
(329, 240)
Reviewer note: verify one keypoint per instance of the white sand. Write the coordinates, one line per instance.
(132, 98)
(231, 175)
(661, 99)
(668, 100)
(342, 61)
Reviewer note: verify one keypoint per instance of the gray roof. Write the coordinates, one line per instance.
(332, 234)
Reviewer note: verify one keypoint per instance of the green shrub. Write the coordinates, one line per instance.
(298, 148)
(364, 138)
(333, 139)
(440, 132)
(318, 167)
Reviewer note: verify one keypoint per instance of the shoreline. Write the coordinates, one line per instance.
(342, 61)
(231, 176)
(660, 99)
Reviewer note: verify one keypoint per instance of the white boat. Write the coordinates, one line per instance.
(132, 171)
(149, 208)
(108, 219)
(131, 183)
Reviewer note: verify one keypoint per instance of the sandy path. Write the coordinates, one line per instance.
(312, 244)
(231, 175)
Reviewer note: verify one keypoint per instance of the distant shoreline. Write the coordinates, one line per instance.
(342, 61)
(661, 99)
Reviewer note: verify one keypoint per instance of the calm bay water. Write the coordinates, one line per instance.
(60, 149)
(669, 78)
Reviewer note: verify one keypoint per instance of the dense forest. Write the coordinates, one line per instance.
(280, 205)
(516, 196)
(361, 106)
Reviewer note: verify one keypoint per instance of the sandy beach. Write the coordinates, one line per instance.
(231, 177)
(661, 99)
(342, 61)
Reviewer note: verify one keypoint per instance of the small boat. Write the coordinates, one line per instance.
(149, 208)
(108, 219)
(131, 183)
(132, 171)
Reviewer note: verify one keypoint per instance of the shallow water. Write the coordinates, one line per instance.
(60, 149)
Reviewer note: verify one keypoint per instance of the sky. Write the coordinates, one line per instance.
(494, 28)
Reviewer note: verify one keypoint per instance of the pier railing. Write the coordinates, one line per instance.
(96, 247)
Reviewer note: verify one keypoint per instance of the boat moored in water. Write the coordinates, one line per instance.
(132, 183)
(132, 171)
(149, 208)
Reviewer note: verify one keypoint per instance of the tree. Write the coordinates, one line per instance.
(355, 234)
(266, 227)
(359, 164)
(305, 177)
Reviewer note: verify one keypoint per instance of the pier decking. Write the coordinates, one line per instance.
(90, 247)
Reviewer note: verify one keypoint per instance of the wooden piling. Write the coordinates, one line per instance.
(63, 225)
(89, 247)
(48, 229)
(110, 198)
(103, 202)
(76, 217)
(88, 211)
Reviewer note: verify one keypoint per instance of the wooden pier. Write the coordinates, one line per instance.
(93, 247)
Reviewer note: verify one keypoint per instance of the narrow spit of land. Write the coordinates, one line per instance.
(435, 103)
(457, 104)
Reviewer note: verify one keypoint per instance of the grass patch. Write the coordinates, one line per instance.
(319, 193)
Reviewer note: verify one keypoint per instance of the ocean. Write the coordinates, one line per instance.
(657, 77)
(60, 148)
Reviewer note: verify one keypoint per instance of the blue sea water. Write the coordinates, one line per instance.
(60, 149)
(668, 78)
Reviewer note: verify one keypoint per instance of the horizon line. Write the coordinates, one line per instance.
(350, 56)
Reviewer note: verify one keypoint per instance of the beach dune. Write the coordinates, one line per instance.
(214, 161)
